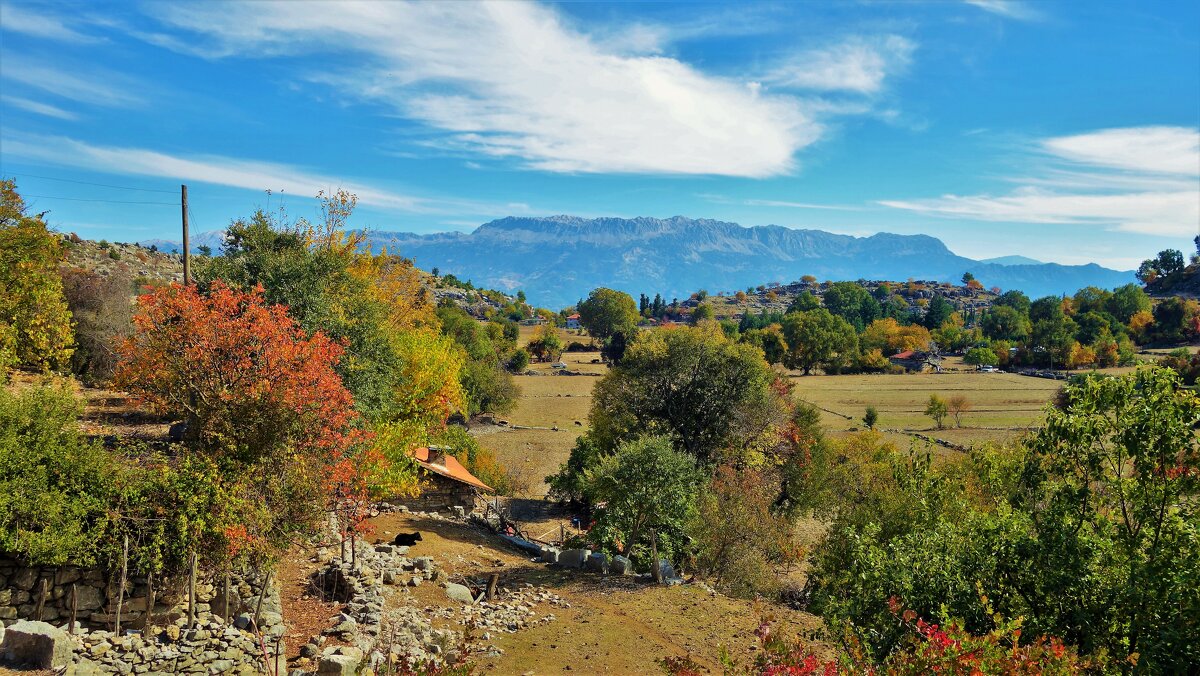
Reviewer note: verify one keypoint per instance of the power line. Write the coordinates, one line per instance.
(80, 199)
(101, 185)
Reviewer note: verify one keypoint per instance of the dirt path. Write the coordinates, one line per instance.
(614, 625)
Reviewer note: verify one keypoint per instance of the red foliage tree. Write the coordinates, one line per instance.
(261, 399)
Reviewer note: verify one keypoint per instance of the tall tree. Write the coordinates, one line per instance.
(607, 312)
(817, 338)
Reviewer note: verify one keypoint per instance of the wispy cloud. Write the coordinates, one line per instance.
(40, 24)
(1139, 179)
(514, 80)
(859, 64)
(1009, 9)
(37, 107)
(227, 171)
(88, 85)
(781, 204)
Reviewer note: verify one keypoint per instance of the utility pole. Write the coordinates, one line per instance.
(187, 267)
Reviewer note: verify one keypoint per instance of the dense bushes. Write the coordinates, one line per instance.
(1088, 531)
(56, 488)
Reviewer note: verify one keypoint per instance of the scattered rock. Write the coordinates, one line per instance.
(37, 644)
(459, 592)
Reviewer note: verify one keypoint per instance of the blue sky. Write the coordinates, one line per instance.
(1063, 131)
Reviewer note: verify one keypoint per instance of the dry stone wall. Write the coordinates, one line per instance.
(220, 640)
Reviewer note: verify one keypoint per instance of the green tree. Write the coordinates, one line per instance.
(817, 338)
(870, 418)
(804, 302)
(34, 319)
(692, 385)
(981, 356)
(519, 361)
(702, 312)
(1126, 301)
(851, 302)
(938, 312)
(1003, 322)
(1015, 300)
(937, 409)
(1167, 264)
(646, 487)
(607, 312)
(770, 341)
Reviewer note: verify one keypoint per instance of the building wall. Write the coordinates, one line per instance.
(440, 494)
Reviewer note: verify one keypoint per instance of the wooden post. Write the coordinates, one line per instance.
(227, 591)
(41, 602)
(493, 580)
(192, 594)
(262, 594)
(121, 587)
(74, 607)
(353, 553)
(148, 621)
(187, 267)
(655, 570)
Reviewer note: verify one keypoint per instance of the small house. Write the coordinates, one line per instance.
(573, 321)
(914, 360)
(445, 483)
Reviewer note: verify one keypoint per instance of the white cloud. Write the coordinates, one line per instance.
(1140, 179)
(1009, 9)
(39, 24)
(512, 80)
(859, 64)
(219, 170)
(38, 107)
(799, 205)
(1164, 150)
(88, 86)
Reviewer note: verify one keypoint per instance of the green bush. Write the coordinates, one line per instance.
(56, 488)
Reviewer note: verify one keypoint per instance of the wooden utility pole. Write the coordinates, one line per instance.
(187, 267)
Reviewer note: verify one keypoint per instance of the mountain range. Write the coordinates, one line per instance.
(557, 260)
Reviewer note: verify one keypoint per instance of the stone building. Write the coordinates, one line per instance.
(445, 483)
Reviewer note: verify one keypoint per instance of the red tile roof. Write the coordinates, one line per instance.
(907, 354)
(451, 469)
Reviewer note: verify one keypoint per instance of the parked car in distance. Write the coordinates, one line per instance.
(559, 365)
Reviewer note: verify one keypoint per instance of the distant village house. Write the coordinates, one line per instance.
(445, 483)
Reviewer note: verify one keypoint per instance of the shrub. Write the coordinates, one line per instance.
(519, 361)
(937, 409)
(103, 311)
(56, 488)
(870, 417)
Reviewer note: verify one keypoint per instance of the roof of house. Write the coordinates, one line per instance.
(574, 316)
(907, 354)
(451, 469)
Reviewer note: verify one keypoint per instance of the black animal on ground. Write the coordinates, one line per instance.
(407, 539)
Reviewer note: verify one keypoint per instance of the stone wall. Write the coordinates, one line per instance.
(226, 642)
(439, 494)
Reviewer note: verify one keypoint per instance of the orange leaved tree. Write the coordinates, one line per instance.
(262, 401)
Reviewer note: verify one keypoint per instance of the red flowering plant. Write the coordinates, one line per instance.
(262, 402)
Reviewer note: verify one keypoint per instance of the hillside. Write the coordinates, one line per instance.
(557, 260)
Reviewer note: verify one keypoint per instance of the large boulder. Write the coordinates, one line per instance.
(459, 592)
(574, 558)
(339, 665)
(549, 554)
(621, 566)
(597, 563)
(36, 644)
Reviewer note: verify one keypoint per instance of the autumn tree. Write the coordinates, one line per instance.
(262, 401)
(958, 405)
(35, 323)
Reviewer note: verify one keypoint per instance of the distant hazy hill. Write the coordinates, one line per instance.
(558, 260)
(213, 239)
(1011, 260)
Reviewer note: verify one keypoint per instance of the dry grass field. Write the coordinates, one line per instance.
(552, 411)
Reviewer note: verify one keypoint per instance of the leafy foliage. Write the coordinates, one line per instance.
(645, 488)
(817, 338)
(35, 323)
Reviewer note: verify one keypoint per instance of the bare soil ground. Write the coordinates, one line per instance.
(614, 625)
